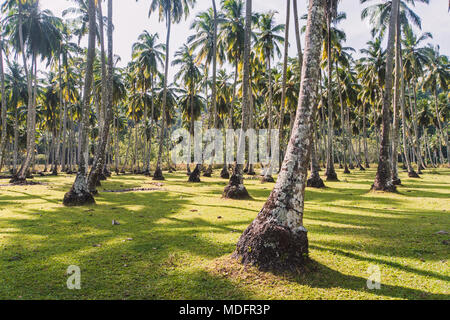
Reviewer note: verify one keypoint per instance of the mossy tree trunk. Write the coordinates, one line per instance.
(277, 239)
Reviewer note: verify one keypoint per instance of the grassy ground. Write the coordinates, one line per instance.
(175, 242)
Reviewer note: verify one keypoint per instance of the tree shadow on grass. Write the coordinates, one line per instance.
(325, 277)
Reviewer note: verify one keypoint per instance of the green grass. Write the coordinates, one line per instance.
(180, 247)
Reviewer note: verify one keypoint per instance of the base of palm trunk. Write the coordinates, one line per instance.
(235, 190)
(367, 166)
(315, 181)
(147, 173)
(271, 247)
(208, 173)
(158, 175)
(352, 167)
(195, 175)
(413, 174)
(251, 172)
(397, 182)
(79, 195)
(387, 187)
(332, 176)
(419, 171)
(267, 179)
(347, 171)
(15, 180)
(361, 168)
(225, 174)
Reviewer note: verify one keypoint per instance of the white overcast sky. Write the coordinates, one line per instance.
(131, 18)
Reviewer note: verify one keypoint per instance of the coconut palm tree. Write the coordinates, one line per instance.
(205, 42)
(80, 193)
(436, 77)
(383, 179)
(235, 188)
(190, 75)
(107, 101)
(277, 239)
(33, 32)
(170, 11)
(268, 44)
(149, 55)
(3, 101)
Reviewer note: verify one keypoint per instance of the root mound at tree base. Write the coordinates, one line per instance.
(388, 188)
(208, 173)
(224, 174)
(73, 199)
(158, 175)
(271, 247)
(194, 177)
(413, 174)
(267, 179)
(235, 190)
(332, 176)
(79, 194)
(397, 182)
(315, 182)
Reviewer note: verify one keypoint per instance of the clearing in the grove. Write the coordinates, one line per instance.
(174, 241)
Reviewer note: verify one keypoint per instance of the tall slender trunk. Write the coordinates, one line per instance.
(441, 132)
(343, 121)
(158, 172)
(383, 179)
(107, 104)
(331, 172)
(277, 239)
(31, 114)
(283, 84)
(3, 101)
(396, 122)
(79, 194)
(236, 189)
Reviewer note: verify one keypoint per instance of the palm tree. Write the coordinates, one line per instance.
(232, 40)
(3, 101)
(383, 179)
(205, 41)
(285, 67)
(190, 75)
(79, 193)
(379, 18)
(149, 55)
(277, 239)
(35, 32)
(107, 102)
(235, 188)
(16, 86)
(414, 61)
(437, 76)
(171, 11)
(268, 40)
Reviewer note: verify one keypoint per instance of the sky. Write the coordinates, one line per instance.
(131, 19)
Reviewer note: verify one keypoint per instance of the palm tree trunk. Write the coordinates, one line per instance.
(21, 175)
(4, 107)
(209, 171)
(283, 84)
(236, 189)
(277, 239)
(107, 105)
(79, 194)
(366, 149)
(441, 136)
(383, 179)
(331, 172)
(158, 172)
(268, 172)
(396, 123)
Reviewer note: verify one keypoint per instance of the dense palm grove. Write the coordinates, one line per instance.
(71, 109)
